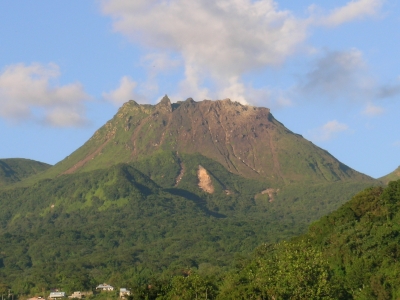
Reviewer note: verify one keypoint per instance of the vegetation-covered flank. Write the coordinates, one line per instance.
(353, 253)
(16, 169)
(133, 222)
(171, 200)
(395, 175)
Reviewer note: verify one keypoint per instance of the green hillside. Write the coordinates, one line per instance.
(16, 169)
(116, 223)
(395, 175)
(353, 253)
(167, 189)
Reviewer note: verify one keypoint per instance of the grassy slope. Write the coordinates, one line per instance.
(247, 141)
(395, 175)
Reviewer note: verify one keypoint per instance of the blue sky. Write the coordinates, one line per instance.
(328, 70)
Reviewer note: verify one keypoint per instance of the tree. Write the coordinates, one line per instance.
(189, 288)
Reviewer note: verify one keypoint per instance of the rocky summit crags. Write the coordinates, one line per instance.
(246, 140)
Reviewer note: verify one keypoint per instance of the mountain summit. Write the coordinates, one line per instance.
(166, 187)
(246, 140)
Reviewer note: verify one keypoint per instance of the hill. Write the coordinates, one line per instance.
(352, 253)
(395, 175)
(247, 141)
(16, 169)
(106, 224)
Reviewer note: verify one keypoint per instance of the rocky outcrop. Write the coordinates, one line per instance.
(205, 182)
(246, 140)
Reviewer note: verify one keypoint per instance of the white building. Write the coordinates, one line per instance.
(57, 295)
(105, 287)
(123, 292)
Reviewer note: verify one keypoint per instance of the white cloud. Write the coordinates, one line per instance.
(353, 10)
(124, 93)
(283, 101)
(159, 62)
(338, 74)
(155, 64)
(219, 34)
(191, 86)
(389, 90)
(219, 41)
(328, 131)
(216, 40)
(62, 116)
(25, 90)
(372, 110)
(247, 94)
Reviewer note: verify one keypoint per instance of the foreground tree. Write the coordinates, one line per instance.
(295, 270)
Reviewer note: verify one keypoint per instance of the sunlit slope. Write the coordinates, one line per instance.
(352, 253)
(246, 140)
(395, 175)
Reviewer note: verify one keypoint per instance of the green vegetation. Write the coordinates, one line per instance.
(353, 253)
(16, 169)
(131, 224)
(126, 208)
(246, 141)
(395, 175)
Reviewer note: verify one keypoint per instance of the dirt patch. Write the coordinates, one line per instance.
(205, 182)
(181, 173)
(271, 193)
(228, 192)
(81, 163)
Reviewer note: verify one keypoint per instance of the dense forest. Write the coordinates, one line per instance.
(16, 169)
(131, 224)
(352, 253)
(197, 200)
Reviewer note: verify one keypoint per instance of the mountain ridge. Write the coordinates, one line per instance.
(246, 140)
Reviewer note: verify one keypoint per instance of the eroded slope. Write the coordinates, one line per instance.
(246, 140)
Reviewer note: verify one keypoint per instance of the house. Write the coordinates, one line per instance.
(57, 295)
(105, 287)
(123, 292)
(80, 295)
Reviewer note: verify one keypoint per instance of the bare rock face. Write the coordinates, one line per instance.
(271, 193)
(246, 140)
(205, 182)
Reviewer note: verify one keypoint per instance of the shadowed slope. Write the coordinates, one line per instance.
(16, 169)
